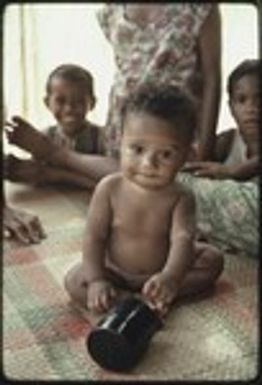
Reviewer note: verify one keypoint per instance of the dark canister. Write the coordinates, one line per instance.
(120, 339)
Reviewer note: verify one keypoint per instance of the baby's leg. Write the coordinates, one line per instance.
(77, 287)
(206, 270)
(161, 289)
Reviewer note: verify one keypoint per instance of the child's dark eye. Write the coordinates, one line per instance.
(241, 99)
(137, 149)
(167, 155)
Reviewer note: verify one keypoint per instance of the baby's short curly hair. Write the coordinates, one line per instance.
(246, 67)
(169, 102)
(73, 73)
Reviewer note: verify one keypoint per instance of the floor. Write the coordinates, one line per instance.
(44, 338)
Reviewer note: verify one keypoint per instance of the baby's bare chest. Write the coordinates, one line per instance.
(139, 218)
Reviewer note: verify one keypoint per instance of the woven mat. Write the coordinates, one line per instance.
(215, 338)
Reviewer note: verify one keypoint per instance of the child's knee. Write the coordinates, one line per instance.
(73, 283)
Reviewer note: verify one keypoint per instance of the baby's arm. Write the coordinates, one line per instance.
(162, 288)
(100, 291)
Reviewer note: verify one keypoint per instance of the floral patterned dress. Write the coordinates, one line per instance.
(163, 50)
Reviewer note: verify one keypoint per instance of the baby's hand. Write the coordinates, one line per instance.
(160, 290)
(100, 295)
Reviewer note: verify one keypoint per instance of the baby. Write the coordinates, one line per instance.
(69, 97)
(140, 232)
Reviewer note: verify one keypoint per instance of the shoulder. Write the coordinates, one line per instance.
(109, 183)
(224, 143)
(184, 195)
(91, 129)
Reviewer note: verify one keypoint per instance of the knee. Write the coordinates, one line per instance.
(69, 283)
(72, 283)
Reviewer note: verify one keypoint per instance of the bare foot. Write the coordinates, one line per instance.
(100, 295)
(22, 170)
(22, 134)
(160, 291)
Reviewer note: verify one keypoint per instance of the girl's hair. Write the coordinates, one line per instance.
(73, 73)
(166, 102)
(246, 67)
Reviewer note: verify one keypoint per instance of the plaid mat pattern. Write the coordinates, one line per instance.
(214, 338)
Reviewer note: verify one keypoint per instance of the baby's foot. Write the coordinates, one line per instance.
(160, 291)
(22, 134)
(22, 170)
(100, 295)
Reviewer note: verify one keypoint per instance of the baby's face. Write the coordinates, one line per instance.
(151, 151)
(69, 103)
(244, 106)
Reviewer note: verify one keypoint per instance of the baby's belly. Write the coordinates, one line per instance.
(137, 255)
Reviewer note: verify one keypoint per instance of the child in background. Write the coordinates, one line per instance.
(140, 232)
(237, 149)
(69, 97)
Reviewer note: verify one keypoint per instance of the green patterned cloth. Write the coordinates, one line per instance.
(227, 212)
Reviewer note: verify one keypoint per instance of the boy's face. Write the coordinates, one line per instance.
(244, 105)
(151, 151)
(69, 103)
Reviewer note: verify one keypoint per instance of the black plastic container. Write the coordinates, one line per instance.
(120, 339)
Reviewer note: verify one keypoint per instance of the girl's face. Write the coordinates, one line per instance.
(151, 151)
(69, 103)
(244, 105)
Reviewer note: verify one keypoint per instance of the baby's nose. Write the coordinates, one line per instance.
(149, 160)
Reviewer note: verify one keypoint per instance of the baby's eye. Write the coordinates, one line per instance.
(167, 155)
(137, 149)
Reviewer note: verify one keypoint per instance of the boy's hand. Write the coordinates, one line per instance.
(160, 290)
(21, 133)
(100, 295)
